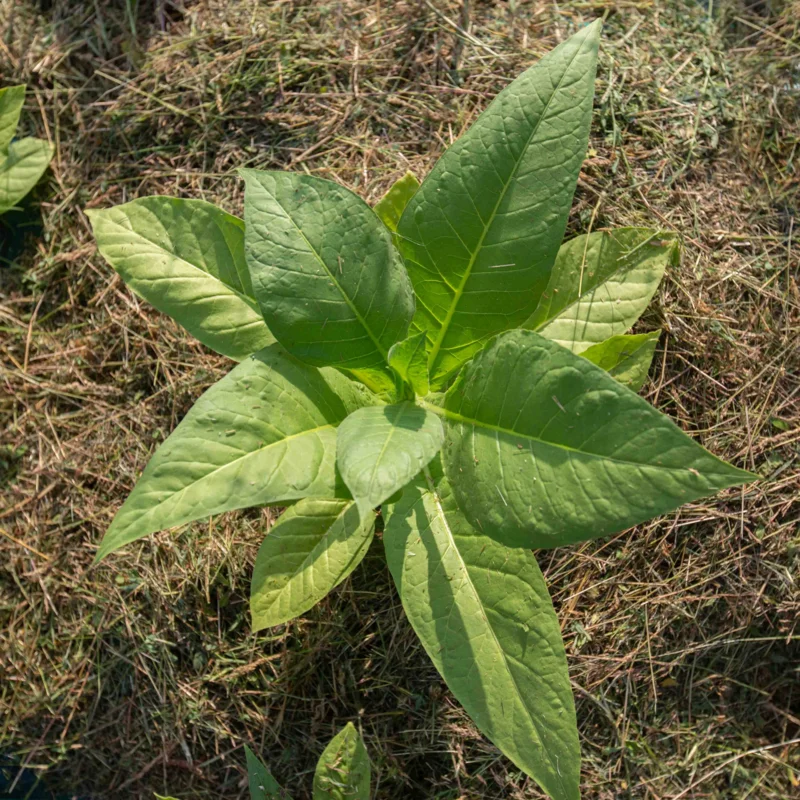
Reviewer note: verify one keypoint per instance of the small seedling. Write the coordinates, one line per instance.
(342, 773)
(22, 161)
(444, 358)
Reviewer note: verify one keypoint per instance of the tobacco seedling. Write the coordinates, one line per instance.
(446, 359)
(22, 161)
(342, 773)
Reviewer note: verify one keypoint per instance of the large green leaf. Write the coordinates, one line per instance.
(380, 449)
(544, 448)
(601, 284)
(20, 169)
(343, 771)
(409, 359)
(480, 235)
(12, 99)
(391, 206)
(265, 433)
(260, 782)
(485, 618)
(311, 549)
(329, 281)
(186, 257)
(626, 357)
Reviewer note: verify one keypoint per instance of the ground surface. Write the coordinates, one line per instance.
(141, 675)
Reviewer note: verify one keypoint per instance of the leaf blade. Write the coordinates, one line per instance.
(20, 170)
(265, 433)
(480, 235)
(544, 448)
(343, 771)
(626, 358)
(260, 781)
(309, 551)
(326, 275)
(186, 258)
(379, 450)
(12, 99)
(601, 284)
(391, 206)
(485, 618)
(409, 359)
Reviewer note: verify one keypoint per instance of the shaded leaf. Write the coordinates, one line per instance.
(20, 169)
(480, 235)
(409, 359)
(186, 257)
(12, 99)
(544, 448)
(626, 358)
(265, 433)
(261, 783)
(329, 281)
(380, 449)
(390, 207)
(485, 618)
(343, 771)
(310, 550)
(601, 284)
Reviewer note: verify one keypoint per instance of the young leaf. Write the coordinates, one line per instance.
(390, 207)
(186, 257)
(485, 618)
(543, 448)
(20, 169)
(11, 101)
(265, 433)
(261, 783)
(626, 358)
(343, 771)
(409, 359)
(311, 549)
(329, 281)
(601, 284)
(480, 236)
(380, 449)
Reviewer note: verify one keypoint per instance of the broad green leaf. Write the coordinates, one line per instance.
(186, 257)
(326, 275)
(380, 449)
(20, 169)
(484, 616)
(261, 783)
(343, 771)
(409, 359)
(481, 234)
(265, 433)
(309, 551)
(11, 101)
(390, 207)
(601, 284)
(544, 448)
(626, 358)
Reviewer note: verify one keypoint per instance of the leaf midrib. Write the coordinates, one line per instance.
(476, 423)
(434, 354)
(213, 472)
(476, 594)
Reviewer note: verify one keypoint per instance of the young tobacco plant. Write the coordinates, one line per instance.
(443, 357)
(22, 161)
(343, 772)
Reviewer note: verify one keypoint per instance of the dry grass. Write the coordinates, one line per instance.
(141, 675)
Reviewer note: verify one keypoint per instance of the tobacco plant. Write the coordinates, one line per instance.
(442, 358)
(22, 161)
(343, 772)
